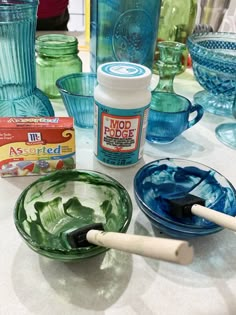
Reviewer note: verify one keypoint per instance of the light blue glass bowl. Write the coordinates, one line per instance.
(173, 178)
(77, 91)
(214, 66)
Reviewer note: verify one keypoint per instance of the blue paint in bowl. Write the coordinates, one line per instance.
(174, 178)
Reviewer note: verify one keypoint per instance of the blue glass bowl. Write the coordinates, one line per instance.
(77, 91)
(214, 66)
(65, 201)
(174, 178)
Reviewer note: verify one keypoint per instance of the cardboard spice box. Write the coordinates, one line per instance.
(36, 145)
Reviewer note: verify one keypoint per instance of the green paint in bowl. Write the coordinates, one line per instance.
(66, 200)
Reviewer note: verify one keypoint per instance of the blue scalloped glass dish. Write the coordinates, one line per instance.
(174, 178)
(214, 66)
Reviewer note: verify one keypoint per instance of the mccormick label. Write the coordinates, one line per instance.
(119, 134)
(36, 145)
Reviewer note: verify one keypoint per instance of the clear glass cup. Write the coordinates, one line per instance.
(18, 93)
(57, 56)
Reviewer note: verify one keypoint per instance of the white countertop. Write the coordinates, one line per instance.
(120, 283)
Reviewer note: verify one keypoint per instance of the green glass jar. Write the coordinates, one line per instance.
(57, 55)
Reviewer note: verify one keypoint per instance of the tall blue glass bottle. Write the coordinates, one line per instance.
(123, 30)
(18, 93)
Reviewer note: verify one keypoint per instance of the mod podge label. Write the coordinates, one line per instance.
(119, 134)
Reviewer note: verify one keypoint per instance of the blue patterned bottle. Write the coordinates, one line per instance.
(18, 93)
(123, 30)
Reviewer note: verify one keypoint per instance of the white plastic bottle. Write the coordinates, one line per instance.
(122, 101)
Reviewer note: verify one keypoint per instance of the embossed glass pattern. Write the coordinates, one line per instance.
(66, 200)
(214, 65)
(174, 178)
(18, 93)
(123, 30)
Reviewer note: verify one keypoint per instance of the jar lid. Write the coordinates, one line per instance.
(123, 75)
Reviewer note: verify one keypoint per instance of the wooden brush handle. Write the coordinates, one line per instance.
(217, 217)
(160, 248)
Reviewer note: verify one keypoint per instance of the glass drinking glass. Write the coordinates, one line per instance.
(18, 93)
(226, 133)
(77, 90)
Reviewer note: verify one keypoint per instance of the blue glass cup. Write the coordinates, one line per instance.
(169, 116)
(77, 94)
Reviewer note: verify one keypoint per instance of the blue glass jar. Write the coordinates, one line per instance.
(123, 30)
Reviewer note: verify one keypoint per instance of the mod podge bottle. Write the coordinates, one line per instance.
(122, 101)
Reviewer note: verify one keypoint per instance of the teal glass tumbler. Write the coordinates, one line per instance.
(19, 95)
(123, 30)
(77, 92)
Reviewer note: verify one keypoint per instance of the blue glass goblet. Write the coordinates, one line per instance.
(226, 133)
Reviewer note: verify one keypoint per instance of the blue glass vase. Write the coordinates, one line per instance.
(123, 30)
(19, 95)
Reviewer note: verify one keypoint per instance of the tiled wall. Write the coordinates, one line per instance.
(77, 17)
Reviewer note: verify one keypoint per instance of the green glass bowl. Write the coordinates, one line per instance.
(66, 200)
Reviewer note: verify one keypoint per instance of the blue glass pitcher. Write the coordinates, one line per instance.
(123, 30)
(18, 93)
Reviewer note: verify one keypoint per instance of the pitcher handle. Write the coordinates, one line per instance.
(200, 111)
